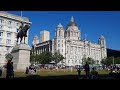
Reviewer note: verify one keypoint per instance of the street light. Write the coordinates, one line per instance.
(113, 60)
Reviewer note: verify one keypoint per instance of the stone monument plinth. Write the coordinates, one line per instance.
(21, 56)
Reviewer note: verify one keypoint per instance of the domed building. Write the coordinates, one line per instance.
(73, 48)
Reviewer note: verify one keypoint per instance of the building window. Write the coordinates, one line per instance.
(62, 50)
(59, 33)
(0, 40)
(9, 28)
(68, 61)
(67, 47)
(9, 22)
(9, 35)
(58, 50)
(75, 61)
(1, 33)
(58, 45)
(72, 61)
(58, 40)
(1, 27)
(62, 45)
(7, 48)
(17, 24)
(62, 41)
(8, 41)
(75, 56)
(67, 51)
(1, 20)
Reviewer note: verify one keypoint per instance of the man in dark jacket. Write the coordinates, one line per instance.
(0, 71)
(9, 71)
(79, 71)
(87, 69)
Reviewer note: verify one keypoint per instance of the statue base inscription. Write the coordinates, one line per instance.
(21, 56)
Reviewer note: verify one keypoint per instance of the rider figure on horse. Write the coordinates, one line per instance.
(21, 27)
(22, 31)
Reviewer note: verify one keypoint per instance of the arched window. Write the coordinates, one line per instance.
(68, 33)
(72, 33)
(1, 27)
(1, 20)
(75, 61)
(9, 22)
(59, 33)
(68, 61)
(58, 45)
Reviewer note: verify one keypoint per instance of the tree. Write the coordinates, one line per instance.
(32, 58)
(90, 60)
(97, 61)
(103, 61)
(84, 59)
(117, 60)
(57, 57)
(45, 58)
(111, 60)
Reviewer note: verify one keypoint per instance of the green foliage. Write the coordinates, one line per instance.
(46, 57)
(43, 58)
(57, 57)
(111, 60)
(32, 58)
(89, 60)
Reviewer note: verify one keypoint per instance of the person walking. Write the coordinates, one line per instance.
(79, 71)
(9, 70)
(0, 71)
(87, 69)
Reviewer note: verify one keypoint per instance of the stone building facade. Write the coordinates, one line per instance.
(9, 23)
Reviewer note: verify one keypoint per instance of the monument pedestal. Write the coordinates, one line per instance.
(21, 56)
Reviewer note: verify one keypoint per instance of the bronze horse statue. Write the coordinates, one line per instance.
(23, 33)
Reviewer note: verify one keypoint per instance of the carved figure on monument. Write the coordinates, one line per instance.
(22, 32)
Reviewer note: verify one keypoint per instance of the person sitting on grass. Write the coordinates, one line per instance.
(94, 74)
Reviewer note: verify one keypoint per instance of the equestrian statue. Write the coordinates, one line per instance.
(22, 32)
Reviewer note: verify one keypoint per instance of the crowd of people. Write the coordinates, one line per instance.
(89, 73)
(93, 74)
(31, 69)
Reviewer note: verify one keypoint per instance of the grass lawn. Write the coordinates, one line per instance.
(45, 73)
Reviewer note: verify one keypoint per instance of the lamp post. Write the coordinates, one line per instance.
(113, 60)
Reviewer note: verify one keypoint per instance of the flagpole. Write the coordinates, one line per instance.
(21, 13)
(85, 36)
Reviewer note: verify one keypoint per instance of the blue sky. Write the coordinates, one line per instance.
(91, 23)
